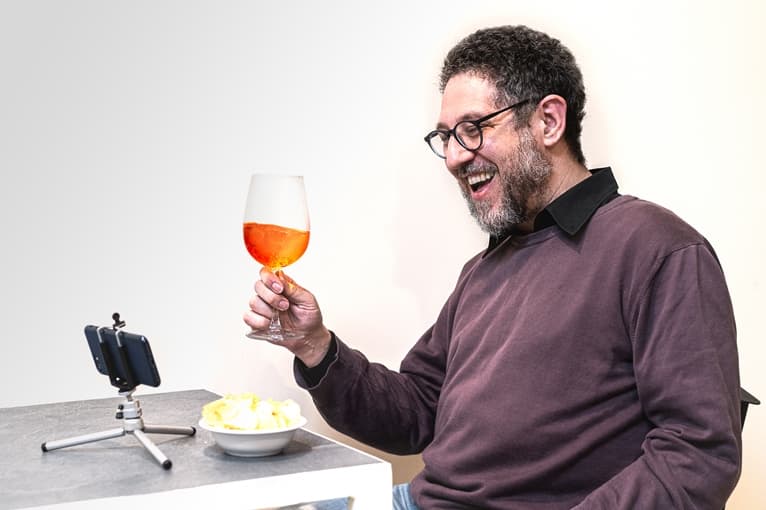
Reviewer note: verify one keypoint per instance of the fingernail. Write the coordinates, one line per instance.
(283, 304)
(276, 287)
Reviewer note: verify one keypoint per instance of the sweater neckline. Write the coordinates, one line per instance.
(540, 236)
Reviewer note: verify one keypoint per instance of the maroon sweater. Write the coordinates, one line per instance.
(594, 370)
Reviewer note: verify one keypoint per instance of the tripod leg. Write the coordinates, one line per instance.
(164, 429)
(85, 438)
(149, 445)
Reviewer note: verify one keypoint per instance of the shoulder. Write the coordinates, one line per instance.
(471, 264)
(639, 224)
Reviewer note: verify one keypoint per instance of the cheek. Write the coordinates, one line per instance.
(496, 151)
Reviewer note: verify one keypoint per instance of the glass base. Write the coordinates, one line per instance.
(274, 333)
(271, 335)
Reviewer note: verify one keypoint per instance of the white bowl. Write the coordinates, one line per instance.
(252, 443)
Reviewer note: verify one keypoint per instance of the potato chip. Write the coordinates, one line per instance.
(246, 411)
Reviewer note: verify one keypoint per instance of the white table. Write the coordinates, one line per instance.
(120, 474)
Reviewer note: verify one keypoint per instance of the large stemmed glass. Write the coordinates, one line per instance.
(276, 231)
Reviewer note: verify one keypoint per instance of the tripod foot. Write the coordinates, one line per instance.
(78, 440)
(153, 449)
(165, 429)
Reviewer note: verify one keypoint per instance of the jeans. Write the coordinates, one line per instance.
(402, 498)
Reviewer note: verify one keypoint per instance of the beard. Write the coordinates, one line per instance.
(524, 179)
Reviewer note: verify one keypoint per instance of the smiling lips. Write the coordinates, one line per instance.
(479, 179)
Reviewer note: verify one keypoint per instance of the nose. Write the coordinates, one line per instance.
(456, 155)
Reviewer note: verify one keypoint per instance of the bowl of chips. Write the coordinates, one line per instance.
(245, 425)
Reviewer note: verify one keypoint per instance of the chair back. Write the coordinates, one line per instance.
(745, 399)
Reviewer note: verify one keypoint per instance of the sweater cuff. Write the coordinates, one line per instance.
(311, 377)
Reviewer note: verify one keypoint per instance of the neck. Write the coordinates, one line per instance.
(563, 177)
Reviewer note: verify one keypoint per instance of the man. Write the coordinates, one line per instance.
(586, 359)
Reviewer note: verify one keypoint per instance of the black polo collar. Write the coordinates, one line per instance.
(573, 208)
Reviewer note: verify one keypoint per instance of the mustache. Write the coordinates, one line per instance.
(474, 167)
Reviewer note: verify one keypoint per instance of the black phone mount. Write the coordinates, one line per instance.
(129, 381)
(129, 410)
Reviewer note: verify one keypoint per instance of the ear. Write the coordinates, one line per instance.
(553, 110)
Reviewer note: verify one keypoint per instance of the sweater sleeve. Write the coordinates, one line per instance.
(389, 410)
(686, 369)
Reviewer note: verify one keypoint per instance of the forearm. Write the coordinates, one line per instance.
(654, 481)
(371, 403)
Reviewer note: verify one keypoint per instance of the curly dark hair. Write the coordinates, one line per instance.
(523, 63)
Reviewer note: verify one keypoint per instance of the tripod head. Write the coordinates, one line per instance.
(118, 324)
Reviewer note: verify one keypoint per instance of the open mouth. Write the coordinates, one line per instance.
(479, 180)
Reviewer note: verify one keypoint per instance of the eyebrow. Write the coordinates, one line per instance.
(470, 115)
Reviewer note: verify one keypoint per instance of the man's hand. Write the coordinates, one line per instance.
(298, 312)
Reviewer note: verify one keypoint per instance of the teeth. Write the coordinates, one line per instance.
(479, 177)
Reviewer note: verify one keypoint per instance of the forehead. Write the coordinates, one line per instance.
(466, 96)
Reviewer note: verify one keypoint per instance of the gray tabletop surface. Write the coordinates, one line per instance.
(121, 466)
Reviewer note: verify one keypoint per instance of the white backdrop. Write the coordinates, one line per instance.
(128, 131)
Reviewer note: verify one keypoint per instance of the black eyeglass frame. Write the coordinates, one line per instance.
(477, 123)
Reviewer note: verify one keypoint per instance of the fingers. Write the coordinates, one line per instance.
(271, 280)
(270, 295)
(259, 314)
(299, 309)
(271, 285)
(256, 321)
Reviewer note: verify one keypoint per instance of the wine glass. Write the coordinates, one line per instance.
(276, 231)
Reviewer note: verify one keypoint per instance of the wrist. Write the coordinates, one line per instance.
(314, 347)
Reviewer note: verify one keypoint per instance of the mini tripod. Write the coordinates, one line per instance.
(129, 411)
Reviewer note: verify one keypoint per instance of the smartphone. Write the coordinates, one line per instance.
(125, 357)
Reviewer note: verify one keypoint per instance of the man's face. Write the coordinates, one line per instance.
(504, 182)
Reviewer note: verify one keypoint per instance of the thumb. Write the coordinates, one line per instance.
(294, 292)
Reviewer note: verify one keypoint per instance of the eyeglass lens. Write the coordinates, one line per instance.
(467, 133)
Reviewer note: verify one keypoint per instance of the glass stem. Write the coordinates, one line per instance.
(275, 327)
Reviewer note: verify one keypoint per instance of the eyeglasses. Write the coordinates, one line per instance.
(467, 133)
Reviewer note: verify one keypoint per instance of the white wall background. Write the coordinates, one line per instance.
(128, 131)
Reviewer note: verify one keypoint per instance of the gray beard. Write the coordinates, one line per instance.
(523, 190)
